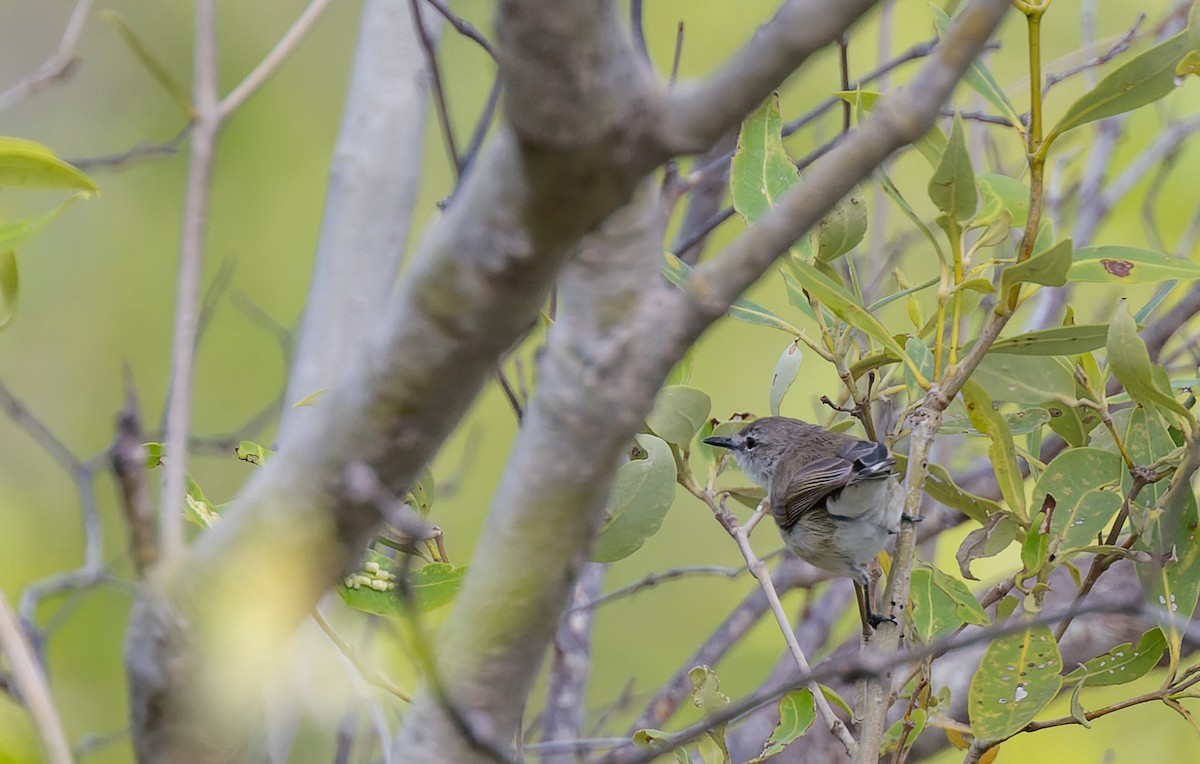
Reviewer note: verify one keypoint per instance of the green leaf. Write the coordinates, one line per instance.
(1073, 425)
(678, 413)
(375, 588)
(796, 715)
(158, 70)
(9, 286)
(1086, 486)
(1018, 422)
(843, 304)
(786, 369)
(1119, 264)
(1130, 362)
(676, 272)
(154, 454)
(978, 76)
(941, 604)
(31, 165)
(922, 359)
(1139, 81)
(1048, 268)
(311, 399)
(1000, 193)
(761, 171)
(198, 508)
(707, 696)
(642, 494)
(1060, 340)
(249, 451)
(891, 738)
(1124, 663)
(941, 487)
(1027, 379)
(966, 607)
(16, 233)
(993, 538)
(842, 229)
(652, 738)
(1017, 678)
(422, 492)
(952, 187)
(1001, 448)
(1034, 549)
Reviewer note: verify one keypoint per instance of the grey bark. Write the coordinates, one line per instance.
(561, 189)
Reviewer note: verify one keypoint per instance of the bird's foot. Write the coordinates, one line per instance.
(914, 519)
(875, 619)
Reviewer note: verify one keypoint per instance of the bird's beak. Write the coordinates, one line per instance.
(722, 442)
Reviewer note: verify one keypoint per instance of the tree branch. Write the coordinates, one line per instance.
(695, 115)
(373, 186)
(56, 67)
(30, 682)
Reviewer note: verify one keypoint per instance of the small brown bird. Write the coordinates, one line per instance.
(832, 495)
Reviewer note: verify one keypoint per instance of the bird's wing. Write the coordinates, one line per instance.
(870, 460)
(808, 487)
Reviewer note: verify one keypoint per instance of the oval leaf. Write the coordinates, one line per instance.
(1060, 340)
(1001, 449)
(1119, 264)
(642, 494)
(9, 286)
(796, 715)
(1130, 362)
(952, 187)
(32, 165)
(374, 588)
(1016, 679)
(1124, 663)
(786, 369)
(1048, 268)
(678, 413)
(1086, 486)
(1139, 81)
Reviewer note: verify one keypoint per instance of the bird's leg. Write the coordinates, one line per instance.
(870, 619)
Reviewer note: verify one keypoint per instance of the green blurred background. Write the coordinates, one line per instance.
(97, 292)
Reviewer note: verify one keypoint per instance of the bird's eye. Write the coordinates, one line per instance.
(750, 442)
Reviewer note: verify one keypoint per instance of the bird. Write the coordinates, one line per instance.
(834, 497)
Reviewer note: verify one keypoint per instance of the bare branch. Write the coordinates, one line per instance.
(273, 60)
(191, 259)
(140, 151)
(30, 682)
(373, 186)
(570, 667)
(898, 120)
(128, 459)
(59, 66)
(695, 115)
(869, 664)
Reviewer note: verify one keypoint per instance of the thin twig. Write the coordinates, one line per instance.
(1120, 46)
(140, 151)
(31, 683)
(462, 26)
(741, 534)
(872, 664)
(273, 60)
(370, 674)
(58, 66)
(191, 258)
(654, 579)
(429, 48)
(635, 25)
